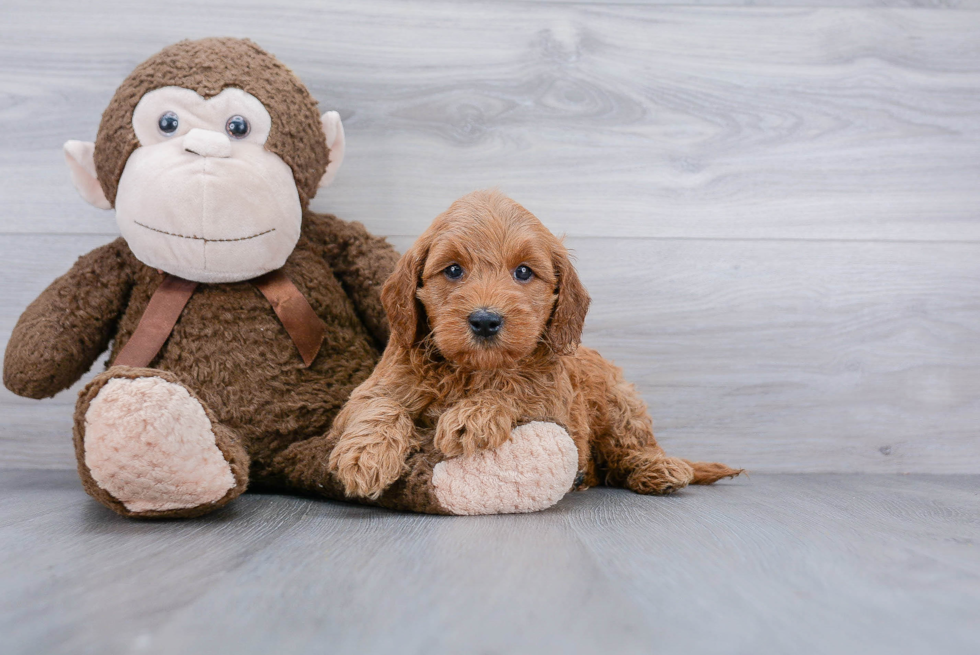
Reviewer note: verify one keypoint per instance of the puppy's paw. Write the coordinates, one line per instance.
(368, 466)
(470, 426)
(658, 475)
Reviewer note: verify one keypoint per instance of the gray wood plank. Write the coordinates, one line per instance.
(801, 564)
(772, 564)
(797, 356)
(776, 356)
(923, 4)
(723, 122)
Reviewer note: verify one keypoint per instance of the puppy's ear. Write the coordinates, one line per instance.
(406, 314)
(564, 330)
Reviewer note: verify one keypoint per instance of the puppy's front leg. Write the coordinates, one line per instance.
(482, 422)
(376, 436)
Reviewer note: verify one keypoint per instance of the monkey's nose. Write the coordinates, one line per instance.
(207, 143)
(485, 323)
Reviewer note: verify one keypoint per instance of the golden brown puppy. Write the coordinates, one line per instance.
(486, 313)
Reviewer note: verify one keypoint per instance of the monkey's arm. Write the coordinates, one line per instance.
(362, 262)
(60, 334)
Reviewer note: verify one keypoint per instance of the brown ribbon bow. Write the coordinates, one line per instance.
(304, 327)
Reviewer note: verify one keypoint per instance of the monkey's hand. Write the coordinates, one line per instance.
(478, 423)
(376, 437)
(69, 325)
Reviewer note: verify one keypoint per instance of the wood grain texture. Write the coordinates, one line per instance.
(796, 563)
(923, 4)
(809, 356)
(776, 209)
(619, 120)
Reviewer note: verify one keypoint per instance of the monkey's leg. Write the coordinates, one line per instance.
(148, 447)
(532, 471)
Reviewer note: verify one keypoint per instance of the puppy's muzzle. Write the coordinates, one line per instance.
(485, 323)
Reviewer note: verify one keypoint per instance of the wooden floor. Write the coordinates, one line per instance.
(772, 564)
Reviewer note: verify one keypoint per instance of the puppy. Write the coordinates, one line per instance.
(486, 313)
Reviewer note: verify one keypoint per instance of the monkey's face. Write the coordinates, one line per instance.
(210, 174)
(201, 197)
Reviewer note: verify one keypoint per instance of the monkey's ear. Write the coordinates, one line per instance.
(80, 156)
(333, 129)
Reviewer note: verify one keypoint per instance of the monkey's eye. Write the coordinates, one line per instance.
(453, 271)
(168, 123)
(523, 273)
(238, 127)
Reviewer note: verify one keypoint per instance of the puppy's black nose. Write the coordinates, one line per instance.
(485, 323)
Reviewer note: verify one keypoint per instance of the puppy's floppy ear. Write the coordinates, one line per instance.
(406, 314)
(564, 331)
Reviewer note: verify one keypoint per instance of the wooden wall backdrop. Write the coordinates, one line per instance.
(776, 208)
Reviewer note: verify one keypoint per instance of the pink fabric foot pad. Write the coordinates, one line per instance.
(151, 445)
(531, 472)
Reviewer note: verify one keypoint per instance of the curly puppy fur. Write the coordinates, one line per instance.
(439, 373)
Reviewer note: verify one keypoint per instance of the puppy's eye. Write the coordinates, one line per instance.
(168, 123)
(453, 271)
(523, 273)
(238, 127)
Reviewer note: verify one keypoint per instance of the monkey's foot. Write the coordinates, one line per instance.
(147, 446)
(529, 472)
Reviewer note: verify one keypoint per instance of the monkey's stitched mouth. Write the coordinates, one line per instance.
(184, 236)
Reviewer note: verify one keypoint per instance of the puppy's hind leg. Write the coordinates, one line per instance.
(650, 471)
(629, 453)
(626, 449)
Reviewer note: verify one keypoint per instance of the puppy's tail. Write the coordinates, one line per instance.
(709, 472)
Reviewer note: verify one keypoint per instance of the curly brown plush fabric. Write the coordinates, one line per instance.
(228, 346)
(209, 66)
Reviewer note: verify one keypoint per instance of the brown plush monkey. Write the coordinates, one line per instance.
(239, 320)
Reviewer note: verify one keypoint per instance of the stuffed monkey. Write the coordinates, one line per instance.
(239, 321)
